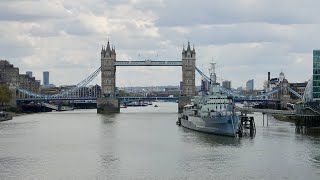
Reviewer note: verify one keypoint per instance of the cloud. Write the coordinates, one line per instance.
(246, 38)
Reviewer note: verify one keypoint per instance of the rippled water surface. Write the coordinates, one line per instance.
(145, 143)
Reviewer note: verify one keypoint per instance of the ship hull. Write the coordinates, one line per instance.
(223, 125)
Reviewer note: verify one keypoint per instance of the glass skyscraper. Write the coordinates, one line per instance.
(316, 75)
(45, 78)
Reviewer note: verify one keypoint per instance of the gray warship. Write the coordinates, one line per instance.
(212, 111)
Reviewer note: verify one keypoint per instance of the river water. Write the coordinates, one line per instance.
(145, 143)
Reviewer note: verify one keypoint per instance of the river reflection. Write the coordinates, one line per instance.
(208, 139)
(145, 143)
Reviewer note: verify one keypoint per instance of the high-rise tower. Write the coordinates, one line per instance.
(46, 78)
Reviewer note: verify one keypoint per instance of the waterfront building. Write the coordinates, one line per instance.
(82, 92)
(226, 84)
(250, 85)
(50, 90)
(8, 73)
(28, 83)
(46, 78)
(95, 91)
(316, 75)
(29, 73)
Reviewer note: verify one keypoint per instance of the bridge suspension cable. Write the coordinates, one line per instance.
(295, 93)
(229, 92)
(81, 84)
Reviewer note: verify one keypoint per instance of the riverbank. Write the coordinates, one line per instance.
(284, 118)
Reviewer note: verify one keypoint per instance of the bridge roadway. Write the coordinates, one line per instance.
(130, 99)
(267, 111)
(94, 98)
(148, 63)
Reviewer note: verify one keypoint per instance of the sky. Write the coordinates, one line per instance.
(246, 38)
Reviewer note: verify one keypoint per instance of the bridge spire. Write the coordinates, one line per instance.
(183, 50)
(102, 50)
(108, 47)
(188, 48)
(113, 49)
(193, 50)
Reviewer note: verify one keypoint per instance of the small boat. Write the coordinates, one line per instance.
(123, 106)
(4, 116)
(155, 105)
(137, 104)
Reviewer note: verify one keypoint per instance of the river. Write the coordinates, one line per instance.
(145, 143)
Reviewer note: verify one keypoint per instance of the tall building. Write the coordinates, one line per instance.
(316, 75)
(46, 78)
(226, 84)
(250, 85)
(29, 73)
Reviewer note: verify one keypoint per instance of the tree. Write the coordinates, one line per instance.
(5, 94)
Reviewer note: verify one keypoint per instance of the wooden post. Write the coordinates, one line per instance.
(251, 126)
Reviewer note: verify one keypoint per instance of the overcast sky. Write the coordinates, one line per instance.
(246, 38)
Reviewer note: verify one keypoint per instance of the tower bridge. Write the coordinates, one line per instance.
(109, 102)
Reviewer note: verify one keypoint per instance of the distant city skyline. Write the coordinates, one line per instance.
(246, 38)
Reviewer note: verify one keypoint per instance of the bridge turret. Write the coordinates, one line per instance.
(188, 53)
(102, 52)
(183, 50)
(113, 52)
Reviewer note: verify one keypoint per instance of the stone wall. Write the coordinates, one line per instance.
(182, 102)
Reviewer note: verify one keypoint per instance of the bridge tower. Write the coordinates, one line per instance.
(188, 76)
(108, 71)
(284, 96)
(108, 103)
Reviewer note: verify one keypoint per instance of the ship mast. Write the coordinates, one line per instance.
(213, 76)
(213, 79)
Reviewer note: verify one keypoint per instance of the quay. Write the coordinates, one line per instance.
(303, 115)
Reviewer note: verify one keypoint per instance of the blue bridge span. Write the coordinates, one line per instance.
(128, 99)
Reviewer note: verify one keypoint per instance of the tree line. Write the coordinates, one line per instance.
(5, 95)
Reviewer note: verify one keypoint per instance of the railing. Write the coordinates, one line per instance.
(268, 111)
